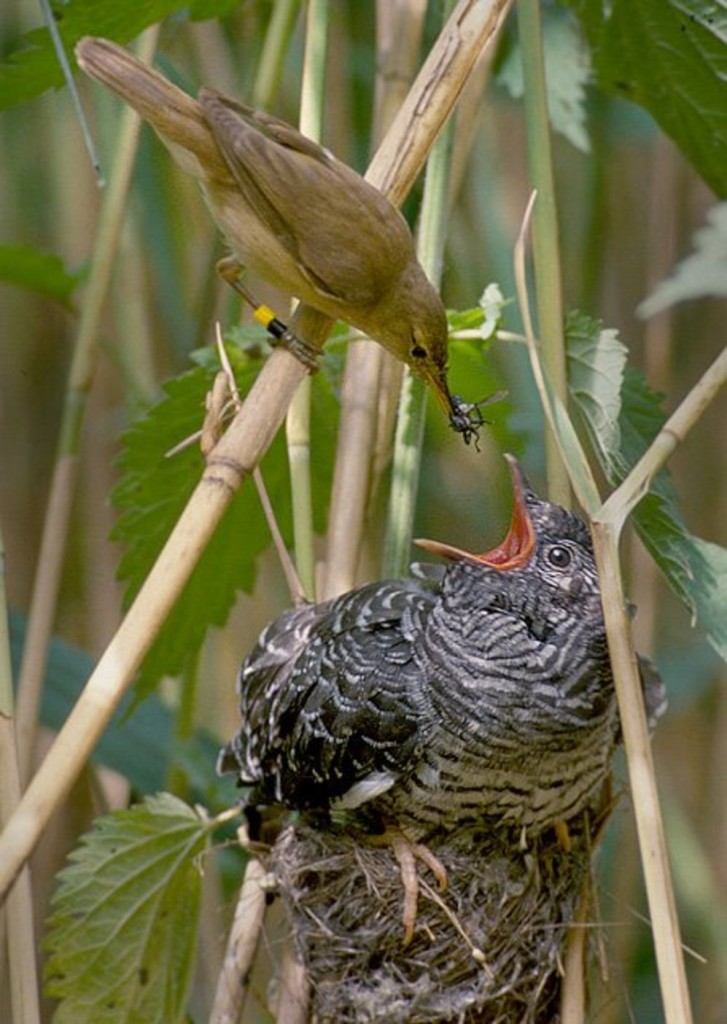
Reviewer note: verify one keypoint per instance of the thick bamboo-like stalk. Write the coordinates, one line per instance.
(401, 155)
(241, 946)
(17, 934)
(642, 778)
(354, 448)
(294, 996)
(393, 170)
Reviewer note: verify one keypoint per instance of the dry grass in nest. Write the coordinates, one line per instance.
(488, 949)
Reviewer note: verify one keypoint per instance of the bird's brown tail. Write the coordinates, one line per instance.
(176, 117)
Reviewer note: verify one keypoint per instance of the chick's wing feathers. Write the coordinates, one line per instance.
(338, 707)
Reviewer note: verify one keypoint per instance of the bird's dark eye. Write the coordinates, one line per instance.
(559, 557)
(418, 352)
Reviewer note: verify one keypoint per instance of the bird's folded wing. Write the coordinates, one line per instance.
(343, 707)
(320, 208)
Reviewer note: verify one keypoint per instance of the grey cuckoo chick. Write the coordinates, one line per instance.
(483, 694)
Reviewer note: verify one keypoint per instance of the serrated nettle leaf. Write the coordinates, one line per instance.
(709, 590)
(155, 488)
(695, 570)
(702, 273)
(658, 522)
(668, 56)
(568, 71)
(596, 363)
(124, 926)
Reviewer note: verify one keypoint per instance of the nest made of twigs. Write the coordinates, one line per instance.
(489, 948)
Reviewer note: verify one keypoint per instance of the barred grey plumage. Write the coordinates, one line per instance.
(484, 693)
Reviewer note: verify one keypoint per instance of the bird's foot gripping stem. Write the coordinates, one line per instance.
(230, 270)
(407, 854)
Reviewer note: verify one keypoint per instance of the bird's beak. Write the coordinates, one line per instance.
(437, 381)
(517, 547)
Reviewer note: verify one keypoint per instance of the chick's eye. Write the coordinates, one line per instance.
(418, 352)
(559, 557)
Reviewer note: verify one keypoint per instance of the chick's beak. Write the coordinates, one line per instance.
(517, 547)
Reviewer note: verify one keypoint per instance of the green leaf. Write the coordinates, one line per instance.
(702, 273)
(708, 563)
(124, 927)
(597, 360)
(567, 68)
(33, 69)
(155, 488)
(40, 272)
(670, 57)
(695, 570)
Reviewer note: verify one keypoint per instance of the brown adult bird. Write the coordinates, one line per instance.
(292, 212)
(482, 694)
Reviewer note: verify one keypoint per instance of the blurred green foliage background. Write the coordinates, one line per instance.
(629, 204)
